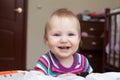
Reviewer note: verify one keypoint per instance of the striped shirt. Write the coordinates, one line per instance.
(49, 65)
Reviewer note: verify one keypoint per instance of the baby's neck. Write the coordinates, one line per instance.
(67, 62)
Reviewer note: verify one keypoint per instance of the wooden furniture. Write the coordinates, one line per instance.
(112, 40)
(92, 42)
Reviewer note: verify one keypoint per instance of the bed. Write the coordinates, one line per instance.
(35, 75)
(112, 40)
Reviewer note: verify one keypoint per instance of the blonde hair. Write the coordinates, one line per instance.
(63, 12)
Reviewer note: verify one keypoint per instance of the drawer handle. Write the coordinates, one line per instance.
(91, 29)
(93, 43)
(89, 56)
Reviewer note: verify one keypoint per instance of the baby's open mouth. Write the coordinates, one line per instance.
(64, 47)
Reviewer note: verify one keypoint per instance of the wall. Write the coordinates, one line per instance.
(39, 11)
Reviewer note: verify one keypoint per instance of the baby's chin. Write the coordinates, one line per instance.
(64, 56)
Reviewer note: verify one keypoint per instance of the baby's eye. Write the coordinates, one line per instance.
(71, 34)
(56, 34)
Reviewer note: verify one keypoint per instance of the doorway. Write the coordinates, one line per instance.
(13, 25)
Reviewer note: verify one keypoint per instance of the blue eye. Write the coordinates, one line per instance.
(71, 34)
(56, 35)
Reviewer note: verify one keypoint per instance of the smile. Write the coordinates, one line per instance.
(64, 47)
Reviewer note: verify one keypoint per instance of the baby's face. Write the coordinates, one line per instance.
(63, 36)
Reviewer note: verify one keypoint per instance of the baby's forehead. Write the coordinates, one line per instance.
(55, 17)
(63, 19)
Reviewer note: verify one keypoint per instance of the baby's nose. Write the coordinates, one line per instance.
(63, 39)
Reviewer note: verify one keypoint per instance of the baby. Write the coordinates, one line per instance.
(62, 35)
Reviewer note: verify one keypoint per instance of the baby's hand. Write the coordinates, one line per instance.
(83, 74)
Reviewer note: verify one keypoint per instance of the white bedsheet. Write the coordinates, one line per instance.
(35, 75)
(103, 76)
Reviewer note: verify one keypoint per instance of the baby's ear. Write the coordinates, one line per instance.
(81, 43)
(46, 41)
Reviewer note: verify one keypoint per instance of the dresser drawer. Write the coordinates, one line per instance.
(92, 28)
(95, 59)
(90, 43)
